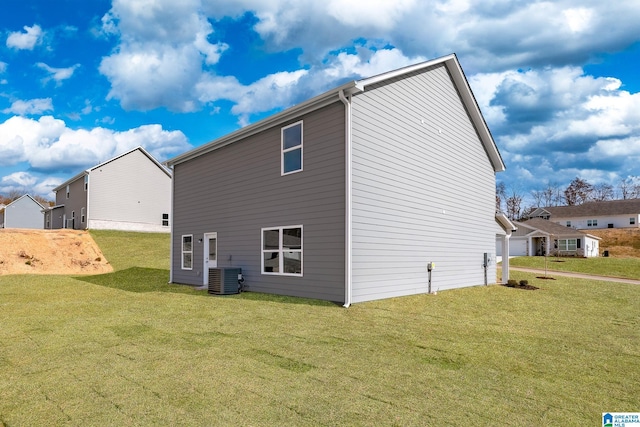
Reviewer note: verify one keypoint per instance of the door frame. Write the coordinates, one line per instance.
(205, 256)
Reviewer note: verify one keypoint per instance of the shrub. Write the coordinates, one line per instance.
(524, 282)
(512, 283)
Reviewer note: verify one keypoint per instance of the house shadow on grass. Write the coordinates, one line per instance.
(142, 280)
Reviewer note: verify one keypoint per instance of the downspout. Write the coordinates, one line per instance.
(348, 199)
(86, 217)
(171, 222)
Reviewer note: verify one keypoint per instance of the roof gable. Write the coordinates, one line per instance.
(334, 95)
(610, 207)
(552, 229)
(88, 171)
(26, 197)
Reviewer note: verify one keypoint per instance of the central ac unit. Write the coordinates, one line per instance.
(224, 281)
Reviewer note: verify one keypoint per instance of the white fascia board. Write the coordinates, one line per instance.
(290, 113)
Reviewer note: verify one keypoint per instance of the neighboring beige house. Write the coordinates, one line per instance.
(129, 192)
(24, 212)
(537, 237)
(590, 215)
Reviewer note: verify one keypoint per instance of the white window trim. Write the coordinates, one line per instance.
(283, 150)
(68, 191)
(182, 251)
(281, 251)
(566, 245)
(86, 182)
(82, 216)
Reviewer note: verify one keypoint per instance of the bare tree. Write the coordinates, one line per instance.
(538, 197)
(501, 194)
(629, 189)
(602, 192)
(14, 195)
(552, 195)
(578, 192)
(514, 205)
(44, 202)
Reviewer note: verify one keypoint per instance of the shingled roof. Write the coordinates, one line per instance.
(551, 227)
(611, 207)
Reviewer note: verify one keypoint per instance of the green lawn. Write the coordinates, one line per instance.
(129, 349)
(616, 267)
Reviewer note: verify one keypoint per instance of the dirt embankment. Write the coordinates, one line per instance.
(620, 242)
(25, 251)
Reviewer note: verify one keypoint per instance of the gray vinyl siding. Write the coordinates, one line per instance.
(76, 201)
(423, 189)
(129, 193)
(238, 189)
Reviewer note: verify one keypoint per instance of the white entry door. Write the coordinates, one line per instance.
(210, 254)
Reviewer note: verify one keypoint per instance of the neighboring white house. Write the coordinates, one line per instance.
(538, 236)
(24, 212)
(129, 192)
(590, 215)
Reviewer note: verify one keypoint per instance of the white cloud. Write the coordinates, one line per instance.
(3, 67)
(380, 14)
(578, 19)
(156, 36)
(18, 179)
(26, 40)
(48, 144)
(31, 106)
(57, 74)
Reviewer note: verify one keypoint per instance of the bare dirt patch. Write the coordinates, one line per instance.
(25, 251)
(620, 242)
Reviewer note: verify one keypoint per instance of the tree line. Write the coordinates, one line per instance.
(579, 191)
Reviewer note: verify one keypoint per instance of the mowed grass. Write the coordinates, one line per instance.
(124, 351)
(616, 267)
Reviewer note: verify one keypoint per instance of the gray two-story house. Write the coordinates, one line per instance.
(130, 192)
(349, 196)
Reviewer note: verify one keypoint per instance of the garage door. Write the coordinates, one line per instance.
(518, 247)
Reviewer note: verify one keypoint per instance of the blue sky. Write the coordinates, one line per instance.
(82, 81)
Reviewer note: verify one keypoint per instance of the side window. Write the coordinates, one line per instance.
(632, 221)
(282, 251)
(68, 192)
(82, 215)
(165, 220)
(292, 148)
(86, 182)
(187, 252)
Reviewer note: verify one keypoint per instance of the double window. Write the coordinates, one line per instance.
(592, 223)
(282, 250)
(568, 245)
(291, 148)
(187, 252)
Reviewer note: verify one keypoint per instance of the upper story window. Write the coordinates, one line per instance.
(632, 221)
(592, 223)
(568, 223)
(86, 182)
(292, 148)
(68, 192)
